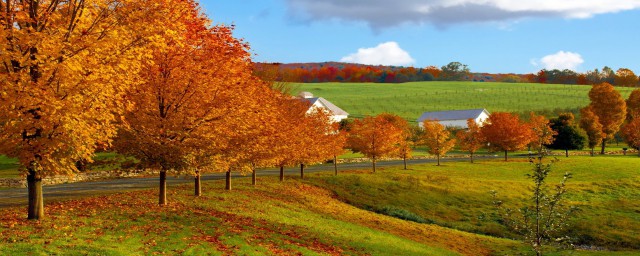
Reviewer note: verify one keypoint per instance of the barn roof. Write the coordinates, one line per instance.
(452, 115)
(335, 110)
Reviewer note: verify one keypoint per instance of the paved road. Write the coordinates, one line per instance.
(18, 196)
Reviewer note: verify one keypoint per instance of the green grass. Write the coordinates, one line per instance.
(8, 167)
(457, 195)
(272, 218)
(410, 100)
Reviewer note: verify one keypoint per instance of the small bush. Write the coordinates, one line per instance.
(401, 214)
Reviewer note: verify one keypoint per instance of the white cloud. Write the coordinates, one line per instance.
(384, 13)
(560, 60)
(388, 53)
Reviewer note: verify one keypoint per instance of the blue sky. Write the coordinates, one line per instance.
(497, 36)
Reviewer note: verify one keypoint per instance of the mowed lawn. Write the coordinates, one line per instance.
(606, 190)
(409, 100)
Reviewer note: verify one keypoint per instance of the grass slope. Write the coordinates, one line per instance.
(272, 218)
(409, 100)
(457, 195)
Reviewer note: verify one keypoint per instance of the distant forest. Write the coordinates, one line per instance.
(454, 71)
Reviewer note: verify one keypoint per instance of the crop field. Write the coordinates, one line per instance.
(409, 100)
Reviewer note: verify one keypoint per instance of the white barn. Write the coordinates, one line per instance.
(337, 114)
(455, 118)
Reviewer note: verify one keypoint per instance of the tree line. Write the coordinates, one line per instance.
(454, 71)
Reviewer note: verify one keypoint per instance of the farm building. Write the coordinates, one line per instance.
(455, 118)
(337, 114)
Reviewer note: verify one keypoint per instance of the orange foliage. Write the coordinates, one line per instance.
(471, 139)
(591, 125)
(541, 132)
(437, 139)
(374, 137)
(625, 77)
(631, 133)
(633, 105)
(505, 132)
(610, 107)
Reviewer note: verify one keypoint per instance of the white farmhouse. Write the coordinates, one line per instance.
(337, 114)
(455, 118)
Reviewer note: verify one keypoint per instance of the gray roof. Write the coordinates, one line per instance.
(335, 110)
(452, 114)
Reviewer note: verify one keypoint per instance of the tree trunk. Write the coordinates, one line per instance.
(36, 201)
(302, 171)
(335, 164)
(198, 184)
(253, 177)
(162, 196)
(471, 157)
(373, 162)
(404, 160)
(602, 149)
(228, 180)
(566, 152)
(505, 156)
(438, 157)
(592, 151)
(281, 173)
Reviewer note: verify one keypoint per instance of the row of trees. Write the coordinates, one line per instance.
(388, 135)
(622, 77)
(148, 79)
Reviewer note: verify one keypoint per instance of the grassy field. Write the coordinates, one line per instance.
(409, 100)
(457, 195)
(273, 218)
(335, 215)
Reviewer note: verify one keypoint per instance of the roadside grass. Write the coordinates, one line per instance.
(272, 218)
(410, 100)
(457, 195)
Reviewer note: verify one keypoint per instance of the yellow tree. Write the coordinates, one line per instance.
(631, 133)
(335, 143)
(65, 66)
(374, 137)
(610, 108)
(471, 139)
(591, 125)
(288, 139)
(195, 88)
(437, 138)
(633, 105)
(541, 132)
(505, 132)
(405, 145)
(317, 128)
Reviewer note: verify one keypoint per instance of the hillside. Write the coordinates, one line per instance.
(409, 100)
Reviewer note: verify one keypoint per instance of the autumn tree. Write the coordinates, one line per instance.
(568, 135)
(610, 108)
(471, 139)
(625, 77)
(437, 138)
(633, 105)
(375, 137)
(590, 123)
(405, 145)
(505, 132)
(61, 85)
(335, 143)
(190, 98)
(631, 133)
(318, 128)
(541, 132)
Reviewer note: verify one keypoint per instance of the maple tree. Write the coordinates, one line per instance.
(568, 136)
(631, 133)
(505, 132)
(471, 139)
(61, 85)
(317, 129)
(375, 137)
(406, 143)
(633, 105)
(335, 143)
(590, 123)
(437, 138)
(190, 98)
(610, 108)
(541, 132)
